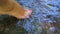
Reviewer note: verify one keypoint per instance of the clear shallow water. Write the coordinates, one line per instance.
(43, 11)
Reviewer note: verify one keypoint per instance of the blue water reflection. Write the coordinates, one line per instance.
(41, 9)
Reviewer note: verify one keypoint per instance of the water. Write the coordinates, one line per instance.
(43, 11)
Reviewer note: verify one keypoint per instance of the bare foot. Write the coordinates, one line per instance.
(27, 13)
